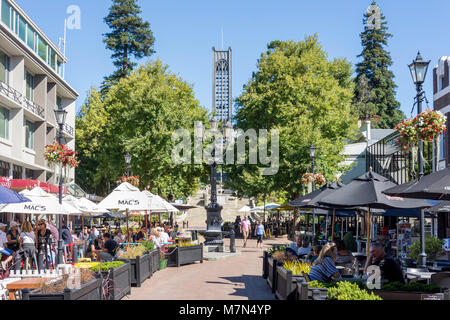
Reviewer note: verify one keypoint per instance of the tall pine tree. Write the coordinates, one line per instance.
(380, 80)
(130, 36)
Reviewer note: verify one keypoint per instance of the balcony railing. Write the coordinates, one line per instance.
(34, 108)
(10, 92)
(69, 129)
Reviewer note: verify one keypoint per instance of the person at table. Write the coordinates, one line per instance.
(299, 248)
(164, 236)
(109, 249)
(119, 237)
(314, 253)
(44, 236)
(343, 257)
(94, 246)
(170, 232)
(324, 268)
(156, 237)
(13, 236)
(140, 236)
(350, 242)
(3, 247)
(389, 267)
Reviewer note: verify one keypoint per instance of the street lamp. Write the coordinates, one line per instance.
(60, 115)
(128, 161)
(418, 69)
(213, 234)
(312, 154)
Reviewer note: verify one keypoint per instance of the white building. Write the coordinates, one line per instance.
(31, 87)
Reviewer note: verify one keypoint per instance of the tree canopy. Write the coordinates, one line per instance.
(138, 115)
(307, 97)
(384, 109)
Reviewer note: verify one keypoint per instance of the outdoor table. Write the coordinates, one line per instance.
(27, 283)
(421, 275)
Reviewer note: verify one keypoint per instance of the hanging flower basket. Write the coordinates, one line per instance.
(133, 180)
(60, 154)
(318, 179)
(407, 134)
(307, 178)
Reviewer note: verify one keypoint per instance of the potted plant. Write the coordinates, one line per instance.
(82, 285)
(345, 290)
(433, 246)
(287, 276)
(184, 253)
(139, 263)
(162, 261)
(116, 277)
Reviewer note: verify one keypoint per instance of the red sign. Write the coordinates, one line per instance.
(29, 184)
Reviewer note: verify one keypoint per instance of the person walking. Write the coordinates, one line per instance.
(245, 229)
(259, 233)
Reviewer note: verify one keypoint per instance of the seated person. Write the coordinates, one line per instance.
(164, 236)
(140, 236)
(299, 248)
(390, 269)
(314, 253)
(343, 256)
(323, 268)
(109, 250)
(119, 237)
(3, 247)
(94, 245)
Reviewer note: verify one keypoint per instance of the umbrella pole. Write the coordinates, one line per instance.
(128, 234)
(332, 224)
(369, 233)
(357, 225)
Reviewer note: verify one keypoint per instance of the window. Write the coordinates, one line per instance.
(42, 49)
(59, 102)
(4, 169)
(29, 134)
(442, 149)
(29, 90)
(59, 68)
(4, 68)
(441, 83)
(22, 32)
(29, 174)
(52, 59)
(17, 172)
(6, 13)
(30, 37)
(4, 123)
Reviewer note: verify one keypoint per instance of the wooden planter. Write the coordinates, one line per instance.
(400, 295)
(184, 255)
(88, 291)
(272, 273)
(304, 292)
(119, 281)
(140, 269)
(155, 259)
(265, 265)
(286, 284)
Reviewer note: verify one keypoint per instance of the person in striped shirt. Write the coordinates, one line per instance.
(324, 269)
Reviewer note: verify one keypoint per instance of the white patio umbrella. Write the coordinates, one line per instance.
(268, 206)
(126, 198)
(84, 206)
(158, 204)
(245, 209)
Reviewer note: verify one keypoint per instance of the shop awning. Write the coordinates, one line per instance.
(22, 184)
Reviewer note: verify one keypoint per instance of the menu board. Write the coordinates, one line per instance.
(403, 238)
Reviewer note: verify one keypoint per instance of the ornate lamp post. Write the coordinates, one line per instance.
(213, 233)
(312, 154)
(60, 115)
(128, 161)
(419, 69)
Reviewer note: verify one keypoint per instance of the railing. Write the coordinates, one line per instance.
(10, 92)
(34, 108)
(69, 129)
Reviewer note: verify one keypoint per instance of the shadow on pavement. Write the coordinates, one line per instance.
(254, 287)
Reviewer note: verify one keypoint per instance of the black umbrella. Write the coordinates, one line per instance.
(367, 191)
(442, 207)
(311, 200)
(435, 186)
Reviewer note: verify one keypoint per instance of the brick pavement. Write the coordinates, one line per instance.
(236, 278)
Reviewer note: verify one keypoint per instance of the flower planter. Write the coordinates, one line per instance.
(155, 261)
(184, 255)
(265, 266)
(272, 273)
(140, 269)
(88, 291)
(304, 292)
(285, 284)
(162, 264)
(119, 282)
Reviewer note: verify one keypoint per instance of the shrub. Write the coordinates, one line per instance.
(297, 267)
(345, 290)
(415, 286)
(134, 252)
(432, 247)
(149, 245)
(107, 265)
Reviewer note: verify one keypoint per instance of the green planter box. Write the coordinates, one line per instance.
(162, 264)
(118, 282)
(184, 255)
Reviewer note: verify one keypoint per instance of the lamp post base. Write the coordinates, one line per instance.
(213, 234)
(422, 260)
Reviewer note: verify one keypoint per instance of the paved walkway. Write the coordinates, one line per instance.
(236, 278)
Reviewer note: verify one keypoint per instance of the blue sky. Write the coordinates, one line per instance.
(185, 32)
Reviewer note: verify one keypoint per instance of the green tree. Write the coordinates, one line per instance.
(365, 109)
(129, 37)
(139, 115)
(298, 91)
(375, 64)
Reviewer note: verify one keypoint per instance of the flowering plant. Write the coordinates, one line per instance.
(320, 179)
(425, 126)
(307, 178)
(61, 154)
(133, 180)
(317, 179)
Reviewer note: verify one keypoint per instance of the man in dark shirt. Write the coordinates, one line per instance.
(390, 269)
(109, 248)
(66, 235)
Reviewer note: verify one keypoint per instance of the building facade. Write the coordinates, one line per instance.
(222, 105)
(31, 88)
(441, 102)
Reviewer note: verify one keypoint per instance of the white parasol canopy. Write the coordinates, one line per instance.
(41, 203)
(84, 205)
(269, 206)
(125, 197)
(245, 209)
(158, 204)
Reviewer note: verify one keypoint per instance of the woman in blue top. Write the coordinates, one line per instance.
(259, 232)
(323, 269)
